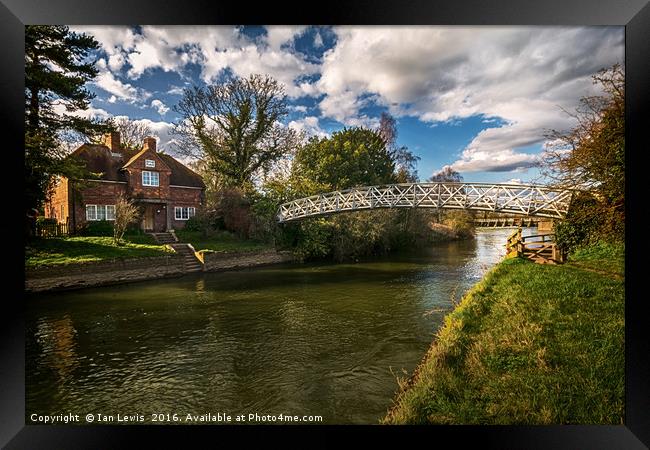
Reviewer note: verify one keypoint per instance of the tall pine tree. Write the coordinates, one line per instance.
(57, 67)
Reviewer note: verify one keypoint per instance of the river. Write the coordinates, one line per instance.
(298, 340)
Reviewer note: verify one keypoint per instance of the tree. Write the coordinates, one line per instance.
(592, 155)
(57, 67)
(132, 133)
(449, 175)
(388, 129)
(235, 126)
(446, 175)
(126, 213)
(351, 157)
(405, 161)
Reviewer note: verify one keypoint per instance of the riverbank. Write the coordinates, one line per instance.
(529, 344)
(85, 274)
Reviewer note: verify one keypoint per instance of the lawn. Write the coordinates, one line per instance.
(530, 344)
(69, 250)
(220, 241)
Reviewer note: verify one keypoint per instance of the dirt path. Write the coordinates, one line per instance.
(612, 275)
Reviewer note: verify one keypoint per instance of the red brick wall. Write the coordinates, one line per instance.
(95, 193)
(136, 189)
(58, 199)
(183, 197)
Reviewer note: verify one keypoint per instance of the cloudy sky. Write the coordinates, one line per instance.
(479, 99)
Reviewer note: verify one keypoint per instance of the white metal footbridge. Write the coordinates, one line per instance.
(528, 200)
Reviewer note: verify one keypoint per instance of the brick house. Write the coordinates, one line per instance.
(167, 192)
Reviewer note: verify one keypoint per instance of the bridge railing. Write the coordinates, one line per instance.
(531, 200)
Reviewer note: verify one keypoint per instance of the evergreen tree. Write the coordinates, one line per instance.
(57, 67)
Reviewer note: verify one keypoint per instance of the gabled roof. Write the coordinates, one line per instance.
(99, 159)
(181, 174)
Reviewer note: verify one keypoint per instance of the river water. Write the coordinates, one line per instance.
(299, 340)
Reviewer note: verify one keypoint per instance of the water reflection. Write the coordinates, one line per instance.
(308, 339)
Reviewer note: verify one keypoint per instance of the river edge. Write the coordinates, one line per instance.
(68, 277)
(483, 367)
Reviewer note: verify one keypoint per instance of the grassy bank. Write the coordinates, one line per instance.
(220, 241)
(70, 250)
(530, 344)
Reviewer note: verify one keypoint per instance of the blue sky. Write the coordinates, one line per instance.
(478, 99)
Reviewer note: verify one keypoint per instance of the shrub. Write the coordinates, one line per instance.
(235, 209)
(41, 220)
(205, 222)
(588, 222)
(98, 228)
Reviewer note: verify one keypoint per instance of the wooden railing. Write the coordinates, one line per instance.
(52, 229)
(540, 248)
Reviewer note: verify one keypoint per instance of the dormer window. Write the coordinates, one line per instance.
(149, 163)
(150, 178)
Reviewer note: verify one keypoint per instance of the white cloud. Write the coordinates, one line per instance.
(90, 113)
(318, 40)
(523, 75)
(298, 108)
(277, 35)
(214, 48)
(161, 130)
(309, 125)
(175, 90)
(119, 90)
(159, 106)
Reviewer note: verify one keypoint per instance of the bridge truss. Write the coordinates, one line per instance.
(529, 200)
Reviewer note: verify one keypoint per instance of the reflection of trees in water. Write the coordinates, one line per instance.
(58, 340)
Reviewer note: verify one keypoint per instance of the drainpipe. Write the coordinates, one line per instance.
(74, 215)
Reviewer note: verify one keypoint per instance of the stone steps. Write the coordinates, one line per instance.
(164, 238)
(191, 262)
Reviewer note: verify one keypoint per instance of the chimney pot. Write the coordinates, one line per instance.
(112, 141)
(150, 143)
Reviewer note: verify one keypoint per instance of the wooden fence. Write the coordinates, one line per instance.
(540, 248)
(52, 229)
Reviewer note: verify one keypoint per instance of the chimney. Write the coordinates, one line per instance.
(112, 141)
(150, 143)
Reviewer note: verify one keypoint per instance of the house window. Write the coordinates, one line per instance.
(100, 212)
(110, 212)
(62, 210)
(91, 212)
(150, 178)
(149, 163)
(184, 212)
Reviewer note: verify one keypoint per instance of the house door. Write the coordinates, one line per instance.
(148, 218)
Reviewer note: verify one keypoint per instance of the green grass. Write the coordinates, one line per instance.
(70, 250)
(529, 344)
(603, 257)
(220, 241)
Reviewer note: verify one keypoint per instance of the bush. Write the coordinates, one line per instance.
(41, 220)
(588, 221)
(235, 208)
(98, 228)
(205, 222)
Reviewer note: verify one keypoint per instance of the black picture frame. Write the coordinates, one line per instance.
(633, 14)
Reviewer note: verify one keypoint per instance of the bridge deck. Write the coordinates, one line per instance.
(528, 200)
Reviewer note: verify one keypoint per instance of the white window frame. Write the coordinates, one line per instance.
(151, 178)
(108, 211)
(184, 212)
(93, 216)
(150, 163)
